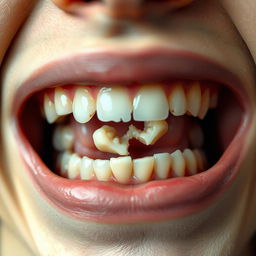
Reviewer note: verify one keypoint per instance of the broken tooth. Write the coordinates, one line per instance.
(191, 162)
(178, 164)
(102, 169)
(143, 168)
(49, 110)
(194, 98)
(150, 104)
(204, 104)
(74, 166)
(121, 168)
(83, 105)
(114, 104)
(162, 165)
(177, 101)
(63, 104)
(63, 138)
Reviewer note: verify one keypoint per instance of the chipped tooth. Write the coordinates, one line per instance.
(204, 104)
(63, 138)
(177, 101)
(102, 169)
(178, 164)
(214, 99)
(162, 165)
(63, 104)
(74, 166)
(143, 168)
(83, 105)
(200, 159)
(121, 168)
(114, 104)
(194, 99)
(191, 162)
(49, 110)
(150, 104)
(196, 136)
(63, 160)
(86, 171)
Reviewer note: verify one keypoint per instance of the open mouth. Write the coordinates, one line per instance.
(130, 139)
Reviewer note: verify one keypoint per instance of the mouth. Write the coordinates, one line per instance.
(107, 146)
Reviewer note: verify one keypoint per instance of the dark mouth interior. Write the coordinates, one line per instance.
(219, 127)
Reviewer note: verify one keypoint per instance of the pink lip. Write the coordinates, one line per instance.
(153, 201)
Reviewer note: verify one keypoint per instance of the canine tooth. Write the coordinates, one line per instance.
(63, 138)
(200, 158)
(114, 104)
(74, 166)
(143, 168)
(177, 101)
(196, 136)
(214, 99)
(190, 160)
(178, 164)
(102, 169)
(150, 104)
(86, 171)
(64, 161)
(194, 99)
(63, 104)
(204, 104)
(83, 105)
(49, 110)
(162, 165)
(121, 168)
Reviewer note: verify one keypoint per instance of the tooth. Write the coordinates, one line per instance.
(162, 165)
(190, 160)
(143, 168)
(214, 99)
(121, 168)
(49, 110)
(63, 138)
(177, 101)
(83, 105)
(64, 161)
(200, 158)
(86, 171)
(194, 99)
(150, 104)
(63, 104)
(74, 166)
(178, 164)
(196, 136)
(102, 169)
(114, 104)
(204, 104)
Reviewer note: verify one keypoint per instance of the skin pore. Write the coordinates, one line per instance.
(46, 32)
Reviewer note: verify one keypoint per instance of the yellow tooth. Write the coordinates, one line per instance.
(190, 160)
(204, 104)
(74, 166)
(177, 101)
(87, 171)
(194, 98)
(162, 165)
(178, 164)
(102, 169)
(121, 168)
(63, 104)
(63, 138)
(49, 110)
(200, 159)
(143, 168)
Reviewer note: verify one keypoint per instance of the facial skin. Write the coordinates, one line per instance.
(211, 28)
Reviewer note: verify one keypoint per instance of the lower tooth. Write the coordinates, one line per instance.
(102, 169)
(162, 165)
(178, 164)
(64, 162)
(74, 166)
(200, 159)
(143, 168)
(190, 160)
(86, 171)
(121, 168)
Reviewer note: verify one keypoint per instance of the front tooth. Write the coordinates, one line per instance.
(102, 169)
(114, 104)
(178, 164)
(143, 168)
(204, 104)
(74, 166)
(177, 101)
(121, 168)
(49, 110)
(64, 162)
(190, 160)
(150, 104)
(63, 104)
(86, 171)
(162, 165)
(194, 98)
(63, 138)
(83, 105)
(196, 136)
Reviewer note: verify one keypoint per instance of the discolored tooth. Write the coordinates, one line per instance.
(63, 104)
(102, 169)
(200, 159)
(63, 138)
(190, 159)
(204, 104)
(83, 105)
(121, 168)
(143, 168)
(74, 166)
(150, 104)
(196, 136)
(178, 164)
(194, 98)
(86, 171)
(162, 165)
(177, 101)
(214, 95)
(114, 104)
(63, 160)
(49, 110)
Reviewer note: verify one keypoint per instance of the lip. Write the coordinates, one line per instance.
(152, 201)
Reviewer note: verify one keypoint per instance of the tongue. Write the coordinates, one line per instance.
(175, 138)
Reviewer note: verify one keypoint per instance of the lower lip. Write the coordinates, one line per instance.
(153, 201)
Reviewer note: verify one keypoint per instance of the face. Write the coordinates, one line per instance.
(128, 128)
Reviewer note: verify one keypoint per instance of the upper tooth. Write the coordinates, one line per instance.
(74, 166)
(63, 104)
(150, 104)
(86, 171)
(178, 164)
(204, 104)
(63, 138)
(114, 104)
(143, 168)
(177, 101)
(102, 169)
(83, 105)
(162, 165)
(214, 99)
(194, 98)
(121, 168)
(49, 110)
(190, 160)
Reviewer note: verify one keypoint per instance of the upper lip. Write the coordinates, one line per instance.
(155, 200)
